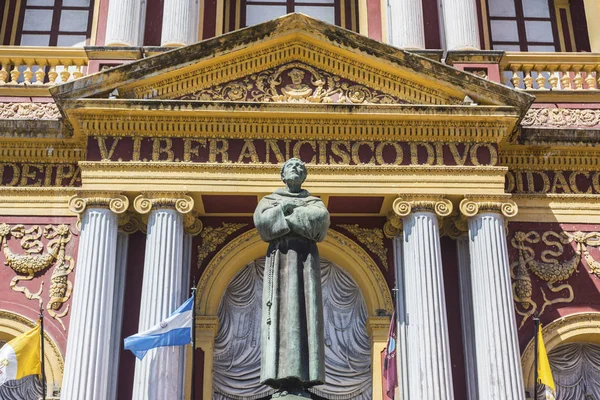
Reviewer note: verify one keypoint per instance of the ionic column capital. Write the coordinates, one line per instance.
(454, 226)
(438, 205)
(146, 202)
(115, 202)
(393, 225)
(472, 206)
(131, 222)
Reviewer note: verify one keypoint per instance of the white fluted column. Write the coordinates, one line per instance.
(119, 293)
(466, 314)
(88, 365)
(406, 24)
(461, 25)
(160, 374)
(180, 23)
(428, 348)
(125, 23)
(497, 353)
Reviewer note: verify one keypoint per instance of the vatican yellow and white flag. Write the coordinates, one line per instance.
(21, 356)
(544, 372)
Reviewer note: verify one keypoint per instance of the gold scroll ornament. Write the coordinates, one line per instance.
(550, 270)
(35, 261)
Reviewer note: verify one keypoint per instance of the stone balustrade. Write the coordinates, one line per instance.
(551, 71)
(40, 66)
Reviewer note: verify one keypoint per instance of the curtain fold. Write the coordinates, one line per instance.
(576, 371)
(237, 344)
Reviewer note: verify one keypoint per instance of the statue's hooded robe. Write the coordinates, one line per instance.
(292, 306)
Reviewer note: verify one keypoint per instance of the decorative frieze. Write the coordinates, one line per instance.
(562, 117)
(29, 111)
(272, 151)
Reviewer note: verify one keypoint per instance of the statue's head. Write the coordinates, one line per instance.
(293, 172)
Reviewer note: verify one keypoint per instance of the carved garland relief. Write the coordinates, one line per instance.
(294, 82)
(35, 261)
(552, 268)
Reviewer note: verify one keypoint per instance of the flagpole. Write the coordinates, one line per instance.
(536, 327)
(194, 341)
(42, 355)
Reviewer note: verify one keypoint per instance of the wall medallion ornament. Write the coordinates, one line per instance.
(552, 269)
(294, 82)
(212, 237)
(372, 238)
(35, 262)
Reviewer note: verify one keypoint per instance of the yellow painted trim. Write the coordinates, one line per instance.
(13, 36)
(226, 16)
(4, 21)
(353, 15)
(201, 20)
(592, 14)
(342, 14)
(485, 25)
(580, 327)
(238, 14)
(13, 325)
(95, 20)
(384, 22)
(558, 5)
(36, 201)
(363, 21)
(219, 18)
(558, 208)
(378, 328)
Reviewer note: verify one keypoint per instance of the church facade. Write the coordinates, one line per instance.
(454, 144)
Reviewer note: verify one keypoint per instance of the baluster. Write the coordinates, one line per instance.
(65, 74)
(590, 80)
(578, 80)
(565, 79)
(3, 72)
(515, 79)
(540, 79)
(40, 74)
(77, 73)
(27, 74)
(15, 73)
(528, 80)
(52, 74)
(553, 79)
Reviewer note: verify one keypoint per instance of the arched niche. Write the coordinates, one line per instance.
(337, 248)
(580, 327)
(13, 325)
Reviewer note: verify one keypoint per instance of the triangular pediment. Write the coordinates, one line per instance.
(292, 59)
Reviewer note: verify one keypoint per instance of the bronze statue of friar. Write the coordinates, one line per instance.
(292, 222)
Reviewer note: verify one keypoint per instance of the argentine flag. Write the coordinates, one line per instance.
(173, 331)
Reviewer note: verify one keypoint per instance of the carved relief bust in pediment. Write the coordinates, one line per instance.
(294, 82)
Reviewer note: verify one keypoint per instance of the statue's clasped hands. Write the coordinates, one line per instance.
(289, 206)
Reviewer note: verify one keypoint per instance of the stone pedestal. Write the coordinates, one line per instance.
(461, 25)
(406, 29)
(92, 335)
(179, 26)
(427, 342)
(125, 23)
(494, 325)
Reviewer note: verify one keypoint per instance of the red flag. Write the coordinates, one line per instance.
(390, 373)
